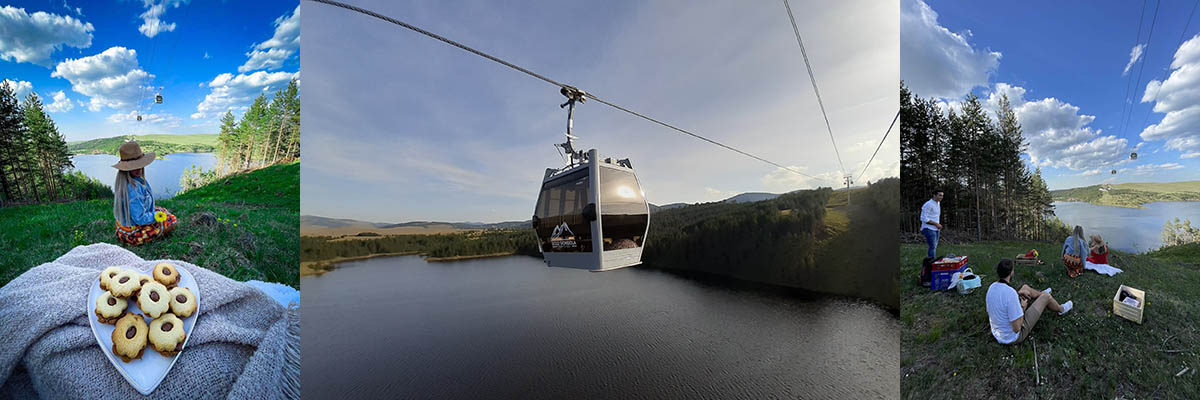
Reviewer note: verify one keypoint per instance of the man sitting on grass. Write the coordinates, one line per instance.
(1012, 313)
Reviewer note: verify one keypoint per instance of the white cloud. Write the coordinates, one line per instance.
(781, 181)
(1058, 135)
(206, 56)
(111, 79)
(33, 37)
(1150, 168)
(935, 61)
(160, 120)
(1179, 97)
(231, 91)
(61, 103)
(20, 88)
(272, 53)
(152, 23)
(1134, 55)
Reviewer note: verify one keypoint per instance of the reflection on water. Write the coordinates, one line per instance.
(512, 328)
(163, 174)
(1127, 229)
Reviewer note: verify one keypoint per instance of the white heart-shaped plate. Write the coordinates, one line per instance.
(147, 372)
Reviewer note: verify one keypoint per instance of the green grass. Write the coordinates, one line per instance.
(947, 350)
(256, 239)
(159, 144)
(1187, 253)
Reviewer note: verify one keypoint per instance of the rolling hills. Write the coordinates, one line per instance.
(1132, 195)
(159, 144)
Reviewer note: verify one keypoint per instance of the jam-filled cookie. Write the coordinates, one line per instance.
(166, 274)
(166, 335)
(154, 300)
(129, 337)
(109, 309)
(142, 279)
(183, 303)
(107, 275)
(124, 284)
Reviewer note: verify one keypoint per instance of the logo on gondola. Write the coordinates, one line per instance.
(562, 237)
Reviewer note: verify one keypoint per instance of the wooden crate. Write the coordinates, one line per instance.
(1127, 311)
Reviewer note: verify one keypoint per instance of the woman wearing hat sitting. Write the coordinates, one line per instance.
(138, 219)
(1099, 250)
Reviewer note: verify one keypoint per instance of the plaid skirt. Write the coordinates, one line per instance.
(139, 234)
(1074, 265)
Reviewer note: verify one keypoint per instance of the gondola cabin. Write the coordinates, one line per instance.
(158, 98)
(592, 215)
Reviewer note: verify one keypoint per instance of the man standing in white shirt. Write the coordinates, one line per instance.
(931, 216)
(1012, 313)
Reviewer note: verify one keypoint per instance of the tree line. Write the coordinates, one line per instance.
(35, 163)
(267, 133)
(518, 241)
(990, 193)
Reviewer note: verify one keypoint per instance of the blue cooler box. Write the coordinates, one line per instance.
(941, 278)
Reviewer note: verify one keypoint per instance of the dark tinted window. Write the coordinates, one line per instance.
(561, 226)
(623, 215)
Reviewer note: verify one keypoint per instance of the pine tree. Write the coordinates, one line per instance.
(12, 128)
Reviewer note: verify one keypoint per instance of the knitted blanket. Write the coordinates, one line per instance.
(245, 345)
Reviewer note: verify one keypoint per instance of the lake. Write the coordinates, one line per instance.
(163, 174)
(510, 327)
(1127, 229)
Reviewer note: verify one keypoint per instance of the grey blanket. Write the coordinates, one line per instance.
(244, 345)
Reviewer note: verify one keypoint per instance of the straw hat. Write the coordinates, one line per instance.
(132, 157)
(1097, 240)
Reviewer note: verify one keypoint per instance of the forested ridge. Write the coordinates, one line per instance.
(160, 145)
(34, 159)
(976, 161)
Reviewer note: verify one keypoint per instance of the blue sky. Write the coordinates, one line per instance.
(97, 65)
(1063, 64)
(400, 127)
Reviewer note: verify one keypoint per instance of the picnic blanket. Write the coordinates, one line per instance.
(244, 345)
(1102, 268)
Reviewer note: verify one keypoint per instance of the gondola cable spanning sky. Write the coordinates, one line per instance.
(593, 96)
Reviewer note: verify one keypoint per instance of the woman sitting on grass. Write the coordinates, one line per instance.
(138, 219)
(1099, 250)
(1074, 252)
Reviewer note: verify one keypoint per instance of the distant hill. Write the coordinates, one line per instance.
(311, 225)
(1132, 195)
(159, 144)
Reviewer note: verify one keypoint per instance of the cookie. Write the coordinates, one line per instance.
(129, 337)
(166, 274)
(109, 309)
(142, 279)
(154, 300)
(183, 303)
(124, 284)
(166, 335)
(106, 276)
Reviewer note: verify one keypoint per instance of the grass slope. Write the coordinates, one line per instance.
(947, 350)
(1132, 195)
(256, 239)
(159, 144)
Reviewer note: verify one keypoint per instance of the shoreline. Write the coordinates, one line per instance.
(319, 268)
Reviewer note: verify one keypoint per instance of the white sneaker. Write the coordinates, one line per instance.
(1066, 307)
(1047, 291)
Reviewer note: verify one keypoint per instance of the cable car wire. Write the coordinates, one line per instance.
(555, 83)
(885, 135)
(813, 80)
(1128, 76)
(1145, 53)
(1163, 78)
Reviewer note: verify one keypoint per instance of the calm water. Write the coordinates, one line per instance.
(512, 328)
(163, 175)
(1129, 229)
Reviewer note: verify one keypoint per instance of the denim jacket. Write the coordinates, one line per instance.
(141, 202)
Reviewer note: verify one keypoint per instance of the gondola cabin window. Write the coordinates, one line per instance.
(623, 209)
(561, 226)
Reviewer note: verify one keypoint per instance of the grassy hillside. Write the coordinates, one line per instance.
(159, 144)
(1132, 195)
(255, 238)
(947, 350)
